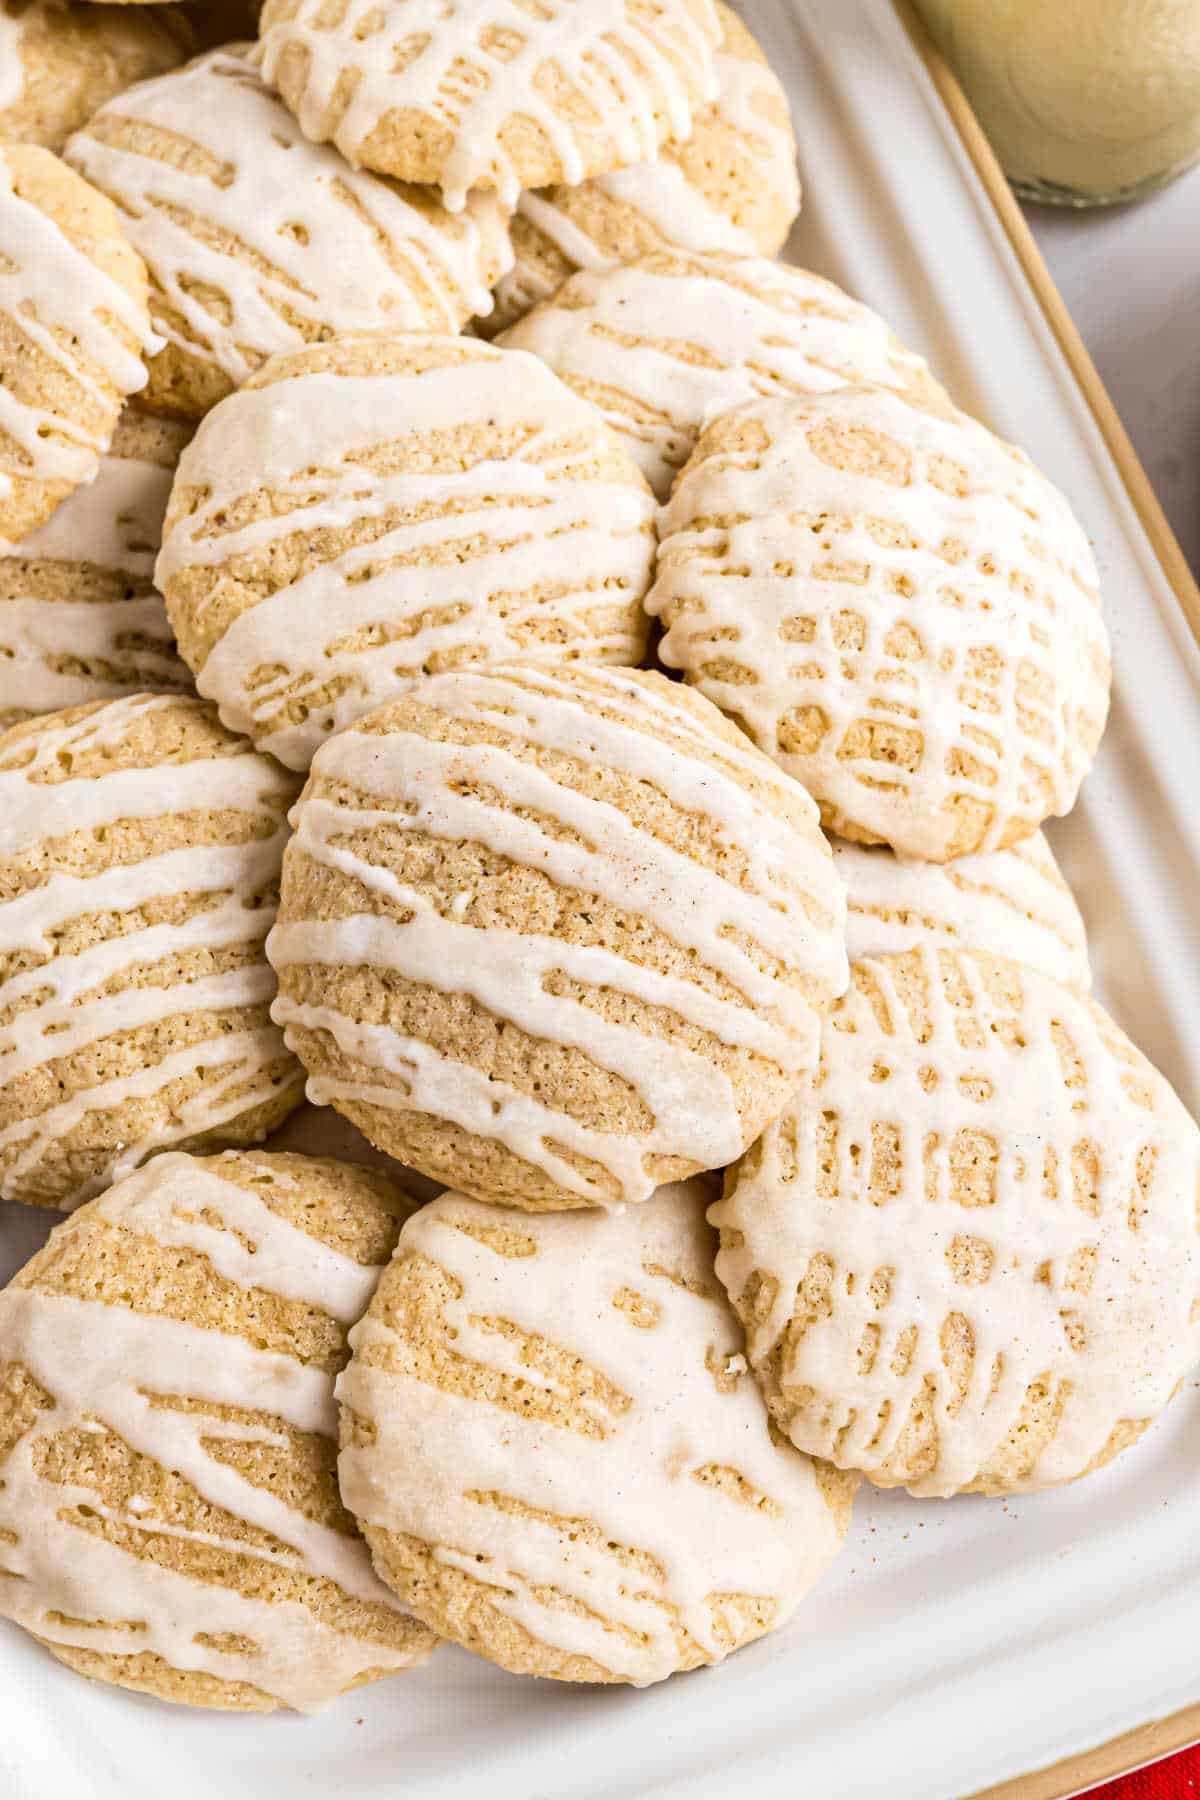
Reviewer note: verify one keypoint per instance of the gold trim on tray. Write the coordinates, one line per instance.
(1160, 1737)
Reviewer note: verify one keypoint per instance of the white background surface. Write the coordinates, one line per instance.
(954, 1645)
(1131, 278)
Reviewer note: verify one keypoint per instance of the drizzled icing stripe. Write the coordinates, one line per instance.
(1008, 902)
(664, 345)
(504, 556)
(629, 1299)
(52, 291)
(307, 245)
(415, 784)
(58, 1011)
(104, 1366)
(1022, 1135)
(672, 211)
(475, 69)
(939, 599)
(113, 525)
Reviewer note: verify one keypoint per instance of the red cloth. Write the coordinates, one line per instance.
(1176, 1778)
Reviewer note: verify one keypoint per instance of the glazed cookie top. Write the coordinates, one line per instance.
(258, 241)
(59, 63)
(966, 1255)
(74, 328)
(731, 188)
(375, 509)
(628, 1512)
(79, 617)
(169, 1505)
(896, 605)
(593, 858)
(140, 846)
(492, 93)
(1008, 902)
(664, 345)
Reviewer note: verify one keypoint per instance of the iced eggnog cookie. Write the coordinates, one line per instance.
(257, 241)
(140, 846)
(556, 1453)
(169, 1511)
(492, 93)
(555, 937)
(966, 1254)
(59, 63)
(664, 345)
(1007, 902)
(79, 616)
(374, 510)
(74, 328)
(732, 188)
(897, 606)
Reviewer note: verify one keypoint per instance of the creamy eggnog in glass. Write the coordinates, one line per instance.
(1086, 102)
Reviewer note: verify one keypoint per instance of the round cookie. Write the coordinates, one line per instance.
(625, 1514)
(376, 509)
(966, 1254)
(59, 63)
(1011, 903)
(554, 937)
(898, 607)
(74, 327)
(257, 241)
(79, 616)
(140, 846)
(169, 1510)
(665, 345)
(731, 188)
(462, 94)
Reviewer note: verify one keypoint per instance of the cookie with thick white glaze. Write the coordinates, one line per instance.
(553, 1446)
(896, 605)
(966, 1254)
(74, 333)
(1012, 903)
(80, 618)
(731, 188)
(257, 241)
(169, 1510)
(665, 345)
(461, 94)
(554, 937)
(378, 509)
(140, 847)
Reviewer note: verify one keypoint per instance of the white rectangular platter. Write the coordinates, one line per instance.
(954, 1646)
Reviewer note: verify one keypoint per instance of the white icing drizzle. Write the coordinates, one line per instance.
(12, 61)
(316, 246)
(103, 1365)
(680, 214)
(1069, 1108)
(413, 783)
(47, 286)
(58, 1018)
(889, 601)
(666, 344)
(540, 545)
(113, 525)
(1008, 902)
(438, 1455)
(478, 66)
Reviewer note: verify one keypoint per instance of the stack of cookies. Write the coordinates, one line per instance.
(491, 658)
